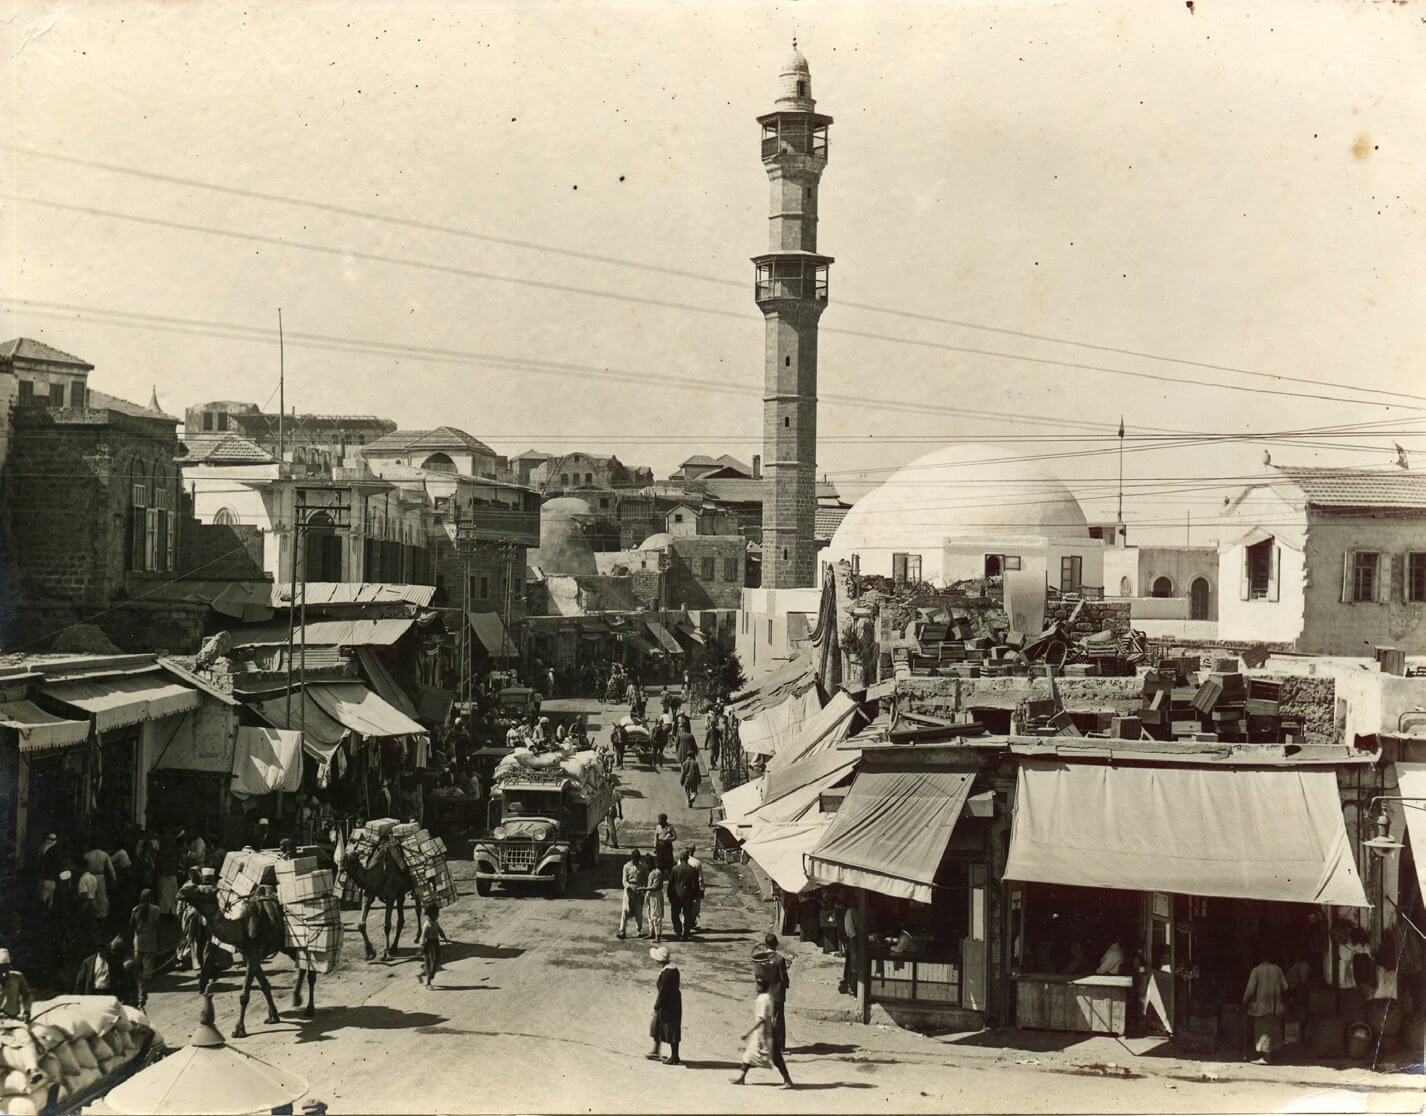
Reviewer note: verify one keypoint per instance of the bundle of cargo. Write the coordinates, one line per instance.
(420, 854)
(306, 893)
(72, 1049)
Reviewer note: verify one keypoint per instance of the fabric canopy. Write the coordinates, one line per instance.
(124, 699)
(766, 733)
(891, 832)
(739, 802)
(434, 703)
(1240, 833)
(642, 645)
(827, 728)
(664, 637)
(490, 630)
(382, 681)
(321, 734)
(213, 1079)
(40, 731)
(1411, 783)
(778, 849)
(788, 680)
(356, 707)
(266, 760)
(790, 800)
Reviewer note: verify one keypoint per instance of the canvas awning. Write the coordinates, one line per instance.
(664, 637)
(788, 680)
(266, 760)
(40, 731)
(739, 802)
(825, 729)
(642, 645)
(354, 706)
(124, 699)
(685, 628)
(382, 681)
(778, 850)
(794, 793)
(1411, 784)
(321, 734)
(766, 733)
(891, 832)
(434, 703)
(1234, 832)
(490, 630)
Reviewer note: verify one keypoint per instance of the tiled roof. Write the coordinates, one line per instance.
(729, 461)
(532, 455)
(442, 437)
(827, 521)
(24, 348)
(1358, 488)
(102, 401)
(701, 459)
(224, 449)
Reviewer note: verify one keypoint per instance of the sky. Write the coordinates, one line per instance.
(533, 221)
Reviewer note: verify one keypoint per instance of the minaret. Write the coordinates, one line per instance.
(791, 291)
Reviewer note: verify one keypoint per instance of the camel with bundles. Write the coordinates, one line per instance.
(384, 876)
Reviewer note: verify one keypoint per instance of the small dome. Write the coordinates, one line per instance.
(660, 541)
(796, 63)
(566, 506)
(795, 79)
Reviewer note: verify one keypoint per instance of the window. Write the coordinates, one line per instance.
(1010, 561)
(222, 420)
(226, 517)
(856, 565)
(678, 517)
(913, 567)
(56, 395)
(27, 394)
(730, 569)
(138, 515)
(1260, 571)
(1163, 587)
(1361, 577)
(1416, 577)
(603, 503)
(485, 588)
(898, 567)
(802, 89)
(76, 393)
(1071, 569)
(706, 568)
(588, 478)
(769, 631)
(564, 478)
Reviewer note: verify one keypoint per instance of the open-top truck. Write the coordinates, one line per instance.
(543, 825)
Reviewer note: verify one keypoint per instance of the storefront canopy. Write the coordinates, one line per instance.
(266, 760)
(321, 734)
(766, 733)
(793, 793)
(739, 802)
(124, 699)
(40, 731)
(353, 705)
(664, 637)
(778, 850)
(490, 630)
(789, 680)
(1233, 832)
(891, 832)
(1411, 784)
(382, 681)
(827, 728)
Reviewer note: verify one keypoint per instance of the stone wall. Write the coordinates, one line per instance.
(685, 583)
(1095, 616)
(218, 551)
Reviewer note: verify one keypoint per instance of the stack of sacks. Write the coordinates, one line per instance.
(361, 844)
(311, 911)
(425, 858)
(72, 1044)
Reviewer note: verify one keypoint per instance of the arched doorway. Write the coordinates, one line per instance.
(1163, 587)
(1198, 599)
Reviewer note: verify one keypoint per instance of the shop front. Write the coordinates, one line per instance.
(1141, 894)
(912, 843)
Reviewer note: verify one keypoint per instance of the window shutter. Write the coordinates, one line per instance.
(1245, 585)
(1347, 577)
(1275, 577)
(1387, 567)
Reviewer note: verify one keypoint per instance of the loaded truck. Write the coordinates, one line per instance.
(543, 824)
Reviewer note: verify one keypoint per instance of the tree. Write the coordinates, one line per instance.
(715, 672)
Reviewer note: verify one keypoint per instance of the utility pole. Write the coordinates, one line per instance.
(281, 385)
(466, 543)
(1119, 515)
(329, 508)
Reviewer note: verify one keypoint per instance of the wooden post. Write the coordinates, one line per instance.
(863, 958)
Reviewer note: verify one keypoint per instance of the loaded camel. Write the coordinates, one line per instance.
(255, 930)
(383, 877)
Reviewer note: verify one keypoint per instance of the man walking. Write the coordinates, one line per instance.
(695, 904)
(771, 966)
(682, 887)
(635, 875)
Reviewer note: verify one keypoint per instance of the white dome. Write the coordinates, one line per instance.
(960, 492)
(659, 541)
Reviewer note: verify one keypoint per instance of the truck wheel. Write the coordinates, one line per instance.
(482, 887)
(590, 851)
(561, 880)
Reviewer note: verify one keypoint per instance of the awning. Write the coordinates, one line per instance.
(764, 734)
(827, 728)
(793, 794)
(434, 703)
(321, 734)
(266, 760)
(741, 801)
(326, 633)
(778, 850)
(891, 832)
(1411, 783)
(640, 644)
(382, 681)
(356, 707)
(687, 629)
(1235, 832)
(40, 731)
(124, 699)
(490, 630)
(788, 680)
(664, 637)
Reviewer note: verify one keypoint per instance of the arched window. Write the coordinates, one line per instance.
(439, 463)
(1198, 599)
(1163, 587)
(1125, 588)
(226, 517)
(160, 546)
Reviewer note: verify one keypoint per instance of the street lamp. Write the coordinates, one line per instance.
(1383, 844)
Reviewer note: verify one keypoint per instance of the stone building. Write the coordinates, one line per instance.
(311, 443)
(444, 449)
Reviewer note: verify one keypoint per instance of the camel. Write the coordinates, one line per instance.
(257, 934)
(384, 877)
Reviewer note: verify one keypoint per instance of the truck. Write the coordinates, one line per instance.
(543, 824)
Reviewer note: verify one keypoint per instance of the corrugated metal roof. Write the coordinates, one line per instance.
(328, 633)
(356, 592)
(1357, 488)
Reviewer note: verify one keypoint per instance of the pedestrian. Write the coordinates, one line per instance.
(667, 1023)
(49, 865)
(687, 745)
(143, 924)
(682, 888)
(761, 1051)
(611, 820)
(87, 891)
(664, 837)
(851, 966)
(550, 683)
(695, 905)
(770, 967)
(690, 776)
(109, 971)
(431, 937)
(98, 864)
(713, 739)
(634, 876)
(16, 999)
(261, 835)
(618, 740)
(653, 902)
(1263, 999)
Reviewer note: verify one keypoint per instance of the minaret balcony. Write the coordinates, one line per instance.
(791, 275)
(794, 133)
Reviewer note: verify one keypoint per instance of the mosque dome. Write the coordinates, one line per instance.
(660, 541)
(795, 81)
(959, 493)
(564, 549)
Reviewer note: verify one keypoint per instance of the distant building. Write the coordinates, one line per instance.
(313, 444)
(1326, 561)
(444, 449)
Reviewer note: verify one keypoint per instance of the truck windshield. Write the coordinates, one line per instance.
(532, 804)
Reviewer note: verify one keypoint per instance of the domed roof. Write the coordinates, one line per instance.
(563, 546)
(657, 542)
(795, 79)
(963, 491)
(796, 63)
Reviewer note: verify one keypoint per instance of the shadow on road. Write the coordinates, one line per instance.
(440, 987)
(825, 1048)
(810, 1086)
(695, 1063)
(366, 1017)
(459, 951)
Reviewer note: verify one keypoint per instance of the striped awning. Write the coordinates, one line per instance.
(124, 699)
(40, 731)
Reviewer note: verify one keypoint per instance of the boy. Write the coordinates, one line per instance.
(143, 924)
(431, 937)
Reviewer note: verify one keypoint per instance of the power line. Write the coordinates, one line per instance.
(454, 230)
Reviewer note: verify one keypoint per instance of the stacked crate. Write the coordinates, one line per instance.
(425, 858)
(306, 894)
(361, 843)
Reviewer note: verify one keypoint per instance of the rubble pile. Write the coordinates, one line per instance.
(1181, 702)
